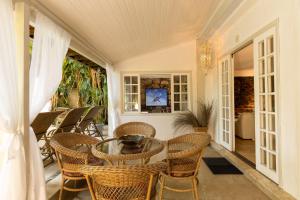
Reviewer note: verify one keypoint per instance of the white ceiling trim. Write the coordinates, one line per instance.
(78, 43)
(218, 18)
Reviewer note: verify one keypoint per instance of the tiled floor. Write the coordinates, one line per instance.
(211, 187)
(245, 148)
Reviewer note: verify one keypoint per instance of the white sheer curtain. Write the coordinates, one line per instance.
(50, 46)
(113, 91)
(12, 159)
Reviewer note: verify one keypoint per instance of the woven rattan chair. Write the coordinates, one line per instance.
(70, 120)
(135, 128)
(183, 158)
(40, 125)
(87, 123)
(42, 122)
(73, 151)
(67, 125)
(124, 182)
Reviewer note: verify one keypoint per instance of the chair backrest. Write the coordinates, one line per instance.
(135, 128)
(123, 181)
(89, 117)
(72, 149)
(43, 121)
(70, 120)
(184, 153)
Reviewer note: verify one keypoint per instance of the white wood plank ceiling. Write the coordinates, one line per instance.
(121, 29)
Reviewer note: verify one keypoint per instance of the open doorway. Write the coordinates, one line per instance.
(244, 103)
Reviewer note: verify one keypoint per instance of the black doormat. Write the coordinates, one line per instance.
(219, 165)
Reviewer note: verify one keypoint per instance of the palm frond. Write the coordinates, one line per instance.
(185, 119)
(188, 119)
(205, 111)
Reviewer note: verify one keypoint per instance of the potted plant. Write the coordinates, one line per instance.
(189, 119)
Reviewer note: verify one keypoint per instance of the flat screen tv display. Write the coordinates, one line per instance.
(156, 97)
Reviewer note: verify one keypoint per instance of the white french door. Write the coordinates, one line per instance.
(226, 103)
(266, 109)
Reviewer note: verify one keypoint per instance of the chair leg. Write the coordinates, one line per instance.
(61, 188)
(162, 185)
(197, 179)
(195, 189)
(98, 132)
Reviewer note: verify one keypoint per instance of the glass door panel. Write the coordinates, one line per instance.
(266, 104)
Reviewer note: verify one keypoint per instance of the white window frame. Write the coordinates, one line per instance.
(123, 92)
(188, 92)
(139, 74)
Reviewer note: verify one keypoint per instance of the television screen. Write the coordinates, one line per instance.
(156, 97)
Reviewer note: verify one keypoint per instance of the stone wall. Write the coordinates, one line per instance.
(244, 94)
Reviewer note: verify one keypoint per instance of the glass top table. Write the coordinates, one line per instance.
(113, 150)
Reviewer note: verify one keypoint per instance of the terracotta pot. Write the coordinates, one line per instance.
(201, 129)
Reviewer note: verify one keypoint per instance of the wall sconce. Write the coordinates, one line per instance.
(205, 57)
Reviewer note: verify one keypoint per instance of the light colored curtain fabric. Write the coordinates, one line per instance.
(49, 49)
(12, 159)
(112, 89)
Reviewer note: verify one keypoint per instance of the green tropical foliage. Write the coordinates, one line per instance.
(90, 83)
(188, 118)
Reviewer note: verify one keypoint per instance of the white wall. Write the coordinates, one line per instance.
(244, 72)
(251, 17)
(178, 58)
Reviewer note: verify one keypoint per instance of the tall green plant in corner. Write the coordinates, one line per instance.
(199, 121)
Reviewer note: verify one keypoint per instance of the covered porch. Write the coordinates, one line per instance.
(110, 85)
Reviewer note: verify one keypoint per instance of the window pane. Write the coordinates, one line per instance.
(271, 122)
(127, 79)
(272, 161)
(135, 107)
(183, 78)
(262, 103)
(262, 121)
(177, 106)
(176, 79)
(227, 125)
(128, 107)
(270, 45)
(176, 88)
(271, 103)
(184, 88)
(271, 84)
(263, 157)
(176, 97)
(262, 85)
(262, 67)
(135, 89)
(263, 139)
(261, 49)
(184, 97)
(134, 79)
(135, 98)
(127, 98)
(272, 142)
(127, 88)
(271, 64)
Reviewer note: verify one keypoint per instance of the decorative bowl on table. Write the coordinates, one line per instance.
(131, 144)
(132, 140)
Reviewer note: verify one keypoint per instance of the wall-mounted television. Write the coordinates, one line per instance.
(156, 96)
